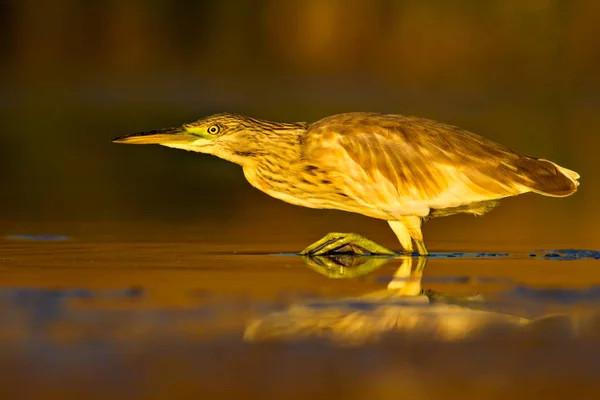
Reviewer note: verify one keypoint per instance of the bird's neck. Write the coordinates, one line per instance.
(283, 147)
(271, 168)
(277, 148)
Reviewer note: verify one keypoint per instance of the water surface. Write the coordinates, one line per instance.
(147, 319)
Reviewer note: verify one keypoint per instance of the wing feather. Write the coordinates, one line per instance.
(406, 166)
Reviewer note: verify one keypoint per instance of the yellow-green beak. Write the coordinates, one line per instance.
(161, 136)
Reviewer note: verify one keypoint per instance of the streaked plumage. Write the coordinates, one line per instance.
(392, 167)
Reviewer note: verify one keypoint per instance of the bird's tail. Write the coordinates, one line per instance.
(548, 178)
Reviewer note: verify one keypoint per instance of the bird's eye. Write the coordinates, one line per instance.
(214, 129)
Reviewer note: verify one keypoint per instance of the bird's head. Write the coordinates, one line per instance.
(230, 136)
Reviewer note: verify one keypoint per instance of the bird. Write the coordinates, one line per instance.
(401, 169)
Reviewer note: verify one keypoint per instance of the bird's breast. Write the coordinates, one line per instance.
(293, 187)
(256, 180)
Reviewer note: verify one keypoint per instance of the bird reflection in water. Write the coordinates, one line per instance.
(403, 309)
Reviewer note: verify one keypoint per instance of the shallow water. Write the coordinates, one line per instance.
(156, 319)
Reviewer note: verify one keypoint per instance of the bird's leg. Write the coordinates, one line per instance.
(345, 243)
(403, 235)
(408, 229)
(421, 249)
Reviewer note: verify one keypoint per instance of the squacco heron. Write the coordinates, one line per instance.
(401, 169)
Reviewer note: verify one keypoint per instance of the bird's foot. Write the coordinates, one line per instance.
(345, 243)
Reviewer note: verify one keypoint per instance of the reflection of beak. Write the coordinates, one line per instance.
(161, 136)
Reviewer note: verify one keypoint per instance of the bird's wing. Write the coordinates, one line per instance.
(406, 166)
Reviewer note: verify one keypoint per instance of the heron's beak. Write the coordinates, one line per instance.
(162, 136)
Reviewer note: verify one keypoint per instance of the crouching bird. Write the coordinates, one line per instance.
(392, 167)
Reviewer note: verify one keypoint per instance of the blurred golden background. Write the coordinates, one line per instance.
(74, 74)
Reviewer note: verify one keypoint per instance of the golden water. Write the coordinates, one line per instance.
(115, 317)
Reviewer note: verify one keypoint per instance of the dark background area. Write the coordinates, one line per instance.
(75, 73)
